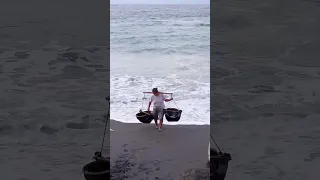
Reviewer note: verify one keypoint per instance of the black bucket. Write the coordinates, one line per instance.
(145, 117)
(218, 164)
(172, 114)
(97, 170)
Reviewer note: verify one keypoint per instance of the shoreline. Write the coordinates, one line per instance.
(165, 123)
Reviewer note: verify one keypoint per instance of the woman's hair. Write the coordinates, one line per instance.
(155, 90)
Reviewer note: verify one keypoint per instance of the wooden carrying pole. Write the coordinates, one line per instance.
(159, 92)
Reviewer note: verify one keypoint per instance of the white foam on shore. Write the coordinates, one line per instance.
(192, 97)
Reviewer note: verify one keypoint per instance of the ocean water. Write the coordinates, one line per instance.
(265, 84)
(164, 46)
(53, 69)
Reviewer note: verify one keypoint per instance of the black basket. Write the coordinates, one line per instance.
(145, 117)
(219, 165)
(97, 170)
(172, 114)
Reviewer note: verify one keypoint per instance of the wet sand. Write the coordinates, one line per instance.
(139, 151)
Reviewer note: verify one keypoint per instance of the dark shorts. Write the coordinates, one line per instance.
(157, 113)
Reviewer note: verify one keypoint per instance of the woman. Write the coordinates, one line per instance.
(158, 100)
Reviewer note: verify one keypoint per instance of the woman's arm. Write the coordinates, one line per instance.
(149, 105)
(167, 100)
(151, 99)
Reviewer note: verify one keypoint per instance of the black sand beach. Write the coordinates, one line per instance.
(139, 151)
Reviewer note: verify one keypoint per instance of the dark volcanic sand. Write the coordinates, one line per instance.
(139, 151)
(265, 87)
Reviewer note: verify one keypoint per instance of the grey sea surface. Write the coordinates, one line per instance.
(164, 46)
(265, 86)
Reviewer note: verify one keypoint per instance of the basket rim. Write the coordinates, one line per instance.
(94, 173)
(172, 110)
(141, 116)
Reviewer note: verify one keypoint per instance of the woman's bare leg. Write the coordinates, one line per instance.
(161, 123)
(156, 122)
(161, 120)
